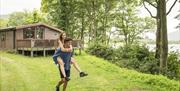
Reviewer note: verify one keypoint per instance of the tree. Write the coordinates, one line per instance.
(178, 17)
(61, 13)
(128, 23)
(3, 23)
(161, 33)
(26, 17)
(77, 20)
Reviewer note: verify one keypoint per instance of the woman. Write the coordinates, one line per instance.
(59, 60)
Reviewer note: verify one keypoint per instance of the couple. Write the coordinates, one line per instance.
(63, 58)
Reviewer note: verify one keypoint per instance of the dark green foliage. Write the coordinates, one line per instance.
(138, 58)
(173, 66)
(135, 51)
(101, 51)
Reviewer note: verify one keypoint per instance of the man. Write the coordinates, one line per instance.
(66, 57)
(57, 59)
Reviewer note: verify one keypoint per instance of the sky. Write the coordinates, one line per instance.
(171, 21)
(9, 6)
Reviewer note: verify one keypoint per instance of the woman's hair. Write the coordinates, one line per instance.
(60, 36)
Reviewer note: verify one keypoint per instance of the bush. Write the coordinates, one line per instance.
(133, 51)
(138, 58)
(173, 66)
(101, 51)
(149, 65)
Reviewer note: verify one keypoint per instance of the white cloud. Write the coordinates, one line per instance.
(9, 6)
(171, 21)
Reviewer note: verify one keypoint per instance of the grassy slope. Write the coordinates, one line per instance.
(20, 73)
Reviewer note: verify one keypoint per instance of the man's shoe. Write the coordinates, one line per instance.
(57, 88)
(83, 74)
(67, 78)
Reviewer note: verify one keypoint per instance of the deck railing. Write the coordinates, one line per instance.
(33, 43)
(44, 43)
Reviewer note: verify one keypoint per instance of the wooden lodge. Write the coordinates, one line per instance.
(31, 39)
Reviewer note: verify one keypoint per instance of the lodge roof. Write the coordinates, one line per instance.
(30, 25)
(8, 28)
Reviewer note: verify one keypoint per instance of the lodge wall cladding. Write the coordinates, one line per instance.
(19, 34)
(51, 34)
(2, 39)
(9, 40)
(6, 40)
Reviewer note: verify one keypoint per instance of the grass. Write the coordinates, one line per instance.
(22, 73)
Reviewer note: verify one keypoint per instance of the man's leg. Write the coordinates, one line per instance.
(76, 66)
(66, 81)
(65, 85)
(59, 84)
(61, 66)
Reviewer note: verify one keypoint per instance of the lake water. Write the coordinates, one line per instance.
(171, 47)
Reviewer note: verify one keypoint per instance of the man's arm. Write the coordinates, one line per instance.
(72, 53)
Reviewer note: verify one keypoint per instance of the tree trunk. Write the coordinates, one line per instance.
(158, 34)
(62, 24)
(82, 29)
(105, 21)
(94, 21)
(90, 34)
(109, 37)
(164, 39)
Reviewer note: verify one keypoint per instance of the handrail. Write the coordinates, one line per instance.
(43, 43)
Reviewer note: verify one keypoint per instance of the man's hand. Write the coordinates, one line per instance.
(67, 78)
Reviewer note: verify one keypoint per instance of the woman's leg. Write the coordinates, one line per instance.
(76, 66)
(61, 65)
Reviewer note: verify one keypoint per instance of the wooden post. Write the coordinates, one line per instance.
(31, 53)
(16, 51)
(22, 51)
(80, 51)
(44, 52)
(80, 47)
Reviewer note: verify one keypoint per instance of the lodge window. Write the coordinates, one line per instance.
(28, 33)
(39, 32)
(3, 36)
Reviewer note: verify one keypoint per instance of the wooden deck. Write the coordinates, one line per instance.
(37, 49)
(31, 43)
(34, 45)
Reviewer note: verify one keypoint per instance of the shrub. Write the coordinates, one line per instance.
(101, 50)
(173, 66)
(138, 58)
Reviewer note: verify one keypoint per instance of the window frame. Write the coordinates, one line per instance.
(41, 29)
(3, 37)
(28, 30)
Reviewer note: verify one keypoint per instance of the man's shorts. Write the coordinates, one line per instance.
(66, 71)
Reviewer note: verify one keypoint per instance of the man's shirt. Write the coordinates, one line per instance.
(66, 57)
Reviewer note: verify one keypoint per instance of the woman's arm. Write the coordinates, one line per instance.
(64, 49)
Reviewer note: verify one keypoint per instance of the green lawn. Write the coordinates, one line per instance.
(20, 73)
